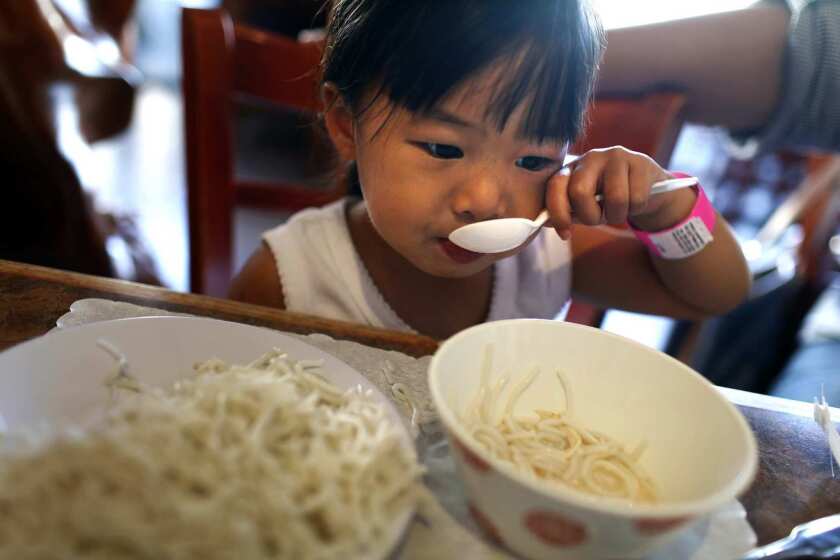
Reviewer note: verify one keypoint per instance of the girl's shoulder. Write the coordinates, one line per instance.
(311, 232)
(258, 282)
(261, 279)
(332, 213)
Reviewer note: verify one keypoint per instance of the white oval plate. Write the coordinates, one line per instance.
(59, 377)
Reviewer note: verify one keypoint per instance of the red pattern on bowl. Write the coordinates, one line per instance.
(485, 524)
(657, 526)
(471, 458)
(554, 529)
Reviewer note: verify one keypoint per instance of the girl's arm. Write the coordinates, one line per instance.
(729, 65)
(612, 270)
(258, 281)
(616, 269)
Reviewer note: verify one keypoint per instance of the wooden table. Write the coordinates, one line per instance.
(794, 481)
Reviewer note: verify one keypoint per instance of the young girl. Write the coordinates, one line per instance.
(459, 111)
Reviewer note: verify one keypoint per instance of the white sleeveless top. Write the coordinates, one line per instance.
(323, 275)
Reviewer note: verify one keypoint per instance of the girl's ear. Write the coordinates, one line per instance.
(340, 123)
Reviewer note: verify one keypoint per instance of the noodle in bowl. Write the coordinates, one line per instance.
(665, 447)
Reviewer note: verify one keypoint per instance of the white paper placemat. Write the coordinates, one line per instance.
(444, 528)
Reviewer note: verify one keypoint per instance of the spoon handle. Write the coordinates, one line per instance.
(667, 185)
(541, 219)
(659, 187)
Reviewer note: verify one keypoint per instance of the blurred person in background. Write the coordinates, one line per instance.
(769, 73)
(47, 217)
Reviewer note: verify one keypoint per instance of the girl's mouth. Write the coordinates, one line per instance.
(458, 254)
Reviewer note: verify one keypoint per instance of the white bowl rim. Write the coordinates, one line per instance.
(685, 508)
(379, 395)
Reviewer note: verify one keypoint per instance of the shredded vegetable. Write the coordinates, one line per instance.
(267, 460)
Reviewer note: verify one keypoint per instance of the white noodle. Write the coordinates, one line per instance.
(550, 446)
(267, 460)
(402, 395)
(122, 379)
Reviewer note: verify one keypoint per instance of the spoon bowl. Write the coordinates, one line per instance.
(497, 236)
(505, 234)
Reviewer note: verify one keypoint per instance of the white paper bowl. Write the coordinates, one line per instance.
(701, 453)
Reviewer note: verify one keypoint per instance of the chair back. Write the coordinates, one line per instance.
(224, 62)
(648, 123)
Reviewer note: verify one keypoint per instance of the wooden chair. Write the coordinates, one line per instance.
(792, 264)
(224, 61)
(649, 123)
(813, 208)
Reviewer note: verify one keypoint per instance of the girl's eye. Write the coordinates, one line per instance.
(534, 163)
(442, 151)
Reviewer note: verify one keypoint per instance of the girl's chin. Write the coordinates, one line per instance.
(444, 268)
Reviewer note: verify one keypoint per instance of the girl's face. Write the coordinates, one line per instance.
(424, 176)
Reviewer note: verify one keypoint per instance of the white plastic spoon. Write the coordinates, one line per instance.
(504, 234)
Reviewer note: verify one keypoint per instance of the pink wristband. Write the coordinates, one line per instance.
(686, 238)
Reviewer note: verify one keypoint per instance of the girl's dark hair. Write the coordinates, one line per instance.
(418, 51)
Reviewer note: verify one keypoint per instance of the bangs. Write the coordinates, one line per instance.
(542, 53)
(554, 111)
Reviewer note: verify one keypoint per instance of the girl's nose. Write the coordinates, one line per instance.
(481, 197)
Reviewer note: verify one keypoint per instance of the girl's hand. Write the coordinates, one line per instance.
(624, 179)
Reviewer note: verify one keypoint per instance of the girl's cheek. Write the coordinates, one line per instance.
(531, 196)
(423, 162)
